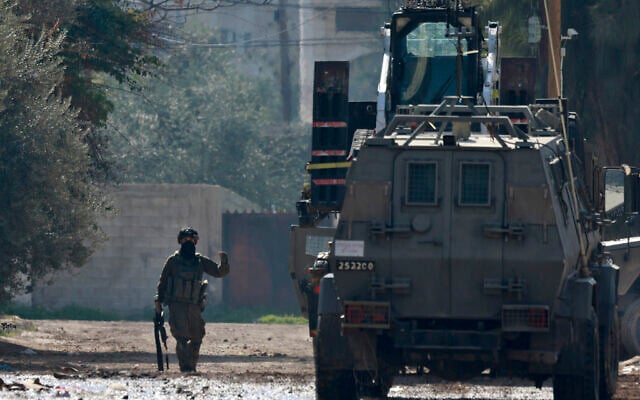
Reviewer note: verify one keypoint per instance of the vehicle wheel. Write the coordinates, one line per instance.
(630, 329)
(335, 384)
(609, 358)
(334, 375)
(375, 385)
(585, 355)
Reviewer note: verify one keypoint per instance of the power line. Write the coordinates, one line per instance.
(272, 43)
(265, 41)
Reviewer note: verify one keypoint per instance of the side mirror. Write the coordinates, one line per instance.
(614, 193)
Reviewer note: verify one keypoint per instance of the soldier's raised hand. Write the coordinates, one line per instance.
(157, 306)
(224, 260)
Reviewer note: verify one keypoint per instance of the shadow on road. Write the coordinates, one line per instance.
(19, 358)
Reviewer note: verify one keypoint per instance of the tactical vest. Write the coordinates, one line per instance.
(185, 285)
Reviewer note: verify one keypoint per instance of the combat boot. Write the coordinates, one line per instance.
(183, 351)
(195, 353)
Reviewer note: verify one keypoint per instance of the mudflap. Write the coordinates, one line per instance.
(375, 363)
(333, 361)
(606, 276)
(330, 347)
(331, 352)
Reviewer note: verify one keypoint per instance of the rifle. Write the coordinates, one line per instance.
(160, 333)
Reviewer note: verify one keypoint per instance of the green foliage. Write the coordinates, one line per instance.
(513, 16)
(246, 315)
(286, 319)
(70, 312)
(101, 37)
(47, 200)
(205, 121)
(12, 325)
(104, 38)
(601, 75)
(8, 332)
(265, 315)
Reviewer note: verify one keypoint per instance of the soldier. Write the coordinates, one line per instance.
(182, 288)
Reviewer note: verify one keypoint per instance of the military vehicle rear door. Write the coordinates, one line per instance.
(422, 190)
(476, 234)
(447, 205)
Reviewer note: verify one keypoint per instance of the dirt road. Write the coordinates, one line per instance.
(106, 360)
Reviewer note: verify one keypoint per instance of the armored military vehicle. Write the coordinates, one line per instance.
(449, 229)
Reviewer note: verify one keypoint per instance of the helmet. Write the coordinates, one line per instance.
(187, 232)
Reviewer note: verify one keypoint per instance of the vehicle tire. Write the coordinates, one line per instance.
(585, 356)
(375, 385)
(335, 384)
(609, 358)
(333, 369)
(630, 329)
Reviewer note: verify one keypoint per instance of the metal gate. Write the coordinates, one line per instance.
(258, 248)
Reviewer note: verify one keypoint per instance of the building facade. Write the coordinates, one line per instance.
(284, 38)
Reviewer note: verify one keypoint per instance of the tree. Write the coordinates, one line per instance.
(204, 121)
(512, 15)
(101, 38)
(163, 10)
(118, 38)
(601, 74)
(601, 69)
(47, 217)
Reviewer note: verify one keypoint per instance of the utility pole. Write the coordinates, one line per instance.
(285, 64)
(553, 27)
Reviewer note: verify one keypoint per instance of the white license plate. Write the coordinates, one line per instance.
(351, 265)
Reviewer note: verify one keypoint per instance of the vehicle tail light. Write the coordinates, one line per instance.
(525, 318)
(354, 314)
(366, 314)
(538, 318)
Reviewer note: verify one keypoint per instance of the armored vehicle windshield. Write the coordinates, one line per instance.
(429, 53)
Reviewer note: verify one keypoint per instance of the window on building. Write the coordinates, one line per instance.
(354, 19)
(227, 36)
(475, 184)
(246, 40)
(421, 183)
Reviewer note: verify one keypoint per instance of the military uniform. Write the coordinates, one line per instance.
(182, 288)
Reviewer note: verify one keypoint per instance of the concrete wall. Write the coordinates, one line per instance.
(121, 276)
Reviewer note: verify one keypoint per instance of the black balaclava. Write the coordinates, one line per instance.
(188, 249)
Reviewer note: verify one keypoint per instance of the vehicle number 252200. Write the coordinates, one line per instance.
(349, 265)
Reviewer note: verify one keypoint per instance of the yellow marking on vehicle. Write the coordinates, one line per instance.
(345, 164)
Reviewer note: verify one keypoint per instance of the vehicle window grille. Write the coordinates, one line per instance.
(421, 183)
(474, 184)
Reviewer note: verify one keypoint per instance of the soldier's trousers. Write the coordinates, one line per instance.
(187, 352)
(187, 327)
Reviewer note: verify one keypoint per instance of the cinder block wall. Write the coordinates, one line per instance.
(122, 275)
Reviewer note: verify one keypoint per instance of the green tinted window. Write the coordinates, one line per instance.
(474, 184)
(429, 39)
(421, 183)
